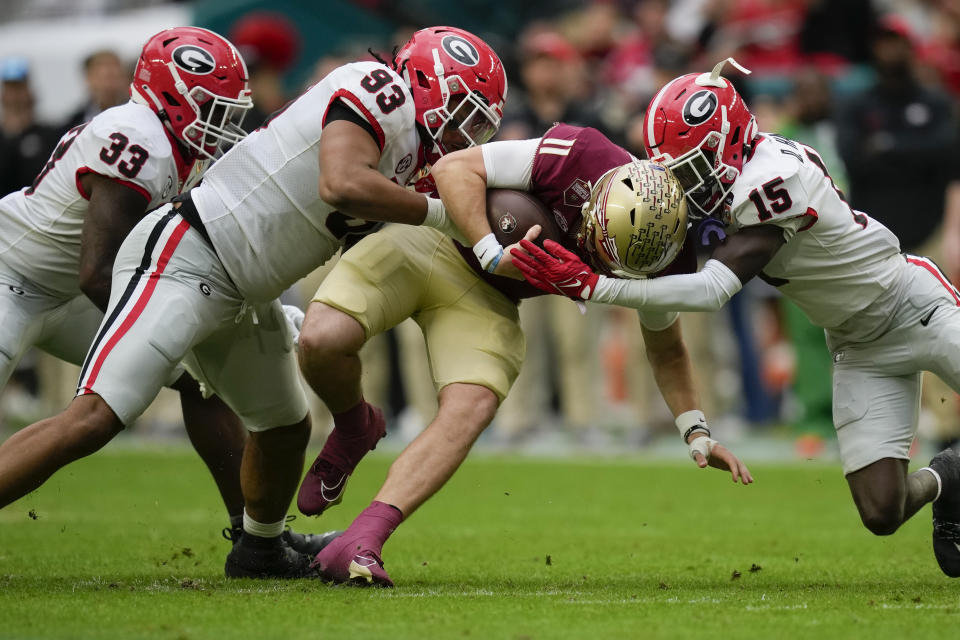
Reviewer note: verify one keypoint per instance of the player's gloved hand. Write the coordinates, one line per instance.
(706, 451)
(294, 316)
(555, 270)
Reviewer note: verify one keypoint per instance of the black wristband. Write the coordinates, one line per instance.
(694, 429)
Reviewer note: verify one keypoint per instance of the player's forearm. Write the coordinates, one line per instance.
(707, 290)
(96, 286)
(672, 369)
(368, 195)
(462, 184)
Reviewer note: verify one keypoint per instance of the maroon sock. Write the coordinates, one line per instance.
(351, 422)
(377, 521)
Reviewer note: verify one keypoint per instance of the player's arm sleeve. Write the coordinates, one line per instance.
(509, 163)
(707, 290)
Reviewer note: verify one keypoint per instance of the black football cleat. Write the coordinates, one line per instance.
(946, 513)
(309, 543)
(267, 558)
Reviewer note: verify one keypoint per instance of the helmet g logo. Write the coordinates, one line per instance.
(699, 107)
(461, 50)
(194, 59)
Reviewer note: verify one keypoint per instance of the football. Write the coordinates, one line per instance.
(512, 213)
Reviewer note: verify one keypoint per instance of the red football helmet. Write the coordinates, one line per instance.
(455, 78)
(196, 82)
(700, 127)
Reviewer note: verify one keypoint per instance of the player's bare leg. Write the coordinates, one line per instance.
(329, 351)
(218, 436)
(886, 496)
(272, 464)
(433, 457)
(417, 474)
(30, 456)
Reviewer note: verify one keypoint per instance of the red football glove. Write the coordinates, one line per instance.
(555, 270)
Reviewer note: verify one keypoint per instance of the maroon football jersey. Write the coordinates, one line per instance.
(569, 159)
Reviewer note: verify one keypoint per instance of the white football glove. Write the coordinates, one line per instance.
(294, 316)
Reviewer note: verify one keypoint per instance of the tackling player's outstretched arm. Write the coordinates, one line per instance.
(114, 210)
(741, 257)
(351, 182)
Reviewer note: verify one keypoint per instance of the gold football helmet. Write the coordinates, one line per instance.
(635, 221)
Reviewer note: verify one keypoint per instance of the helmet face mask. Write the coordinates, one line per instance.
(705, 180)
(458, 85)
(635, 222)
(197, 84)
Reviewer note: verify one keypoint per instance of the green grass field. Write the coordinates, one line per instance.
(127, 544)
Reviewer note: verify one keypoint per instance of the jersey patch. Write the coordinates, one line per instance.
(577, 193)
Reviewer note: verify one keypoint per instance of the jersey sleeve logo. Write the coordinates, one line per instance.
(404, 164)
(699, 107)
(461, 50)
(194, 59)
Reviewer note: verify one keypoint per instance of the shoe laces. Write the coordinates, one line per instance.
(323, 466)
(232, 534)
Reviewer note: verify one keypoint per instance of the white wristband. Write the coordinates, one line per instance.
(488, 252)
(436, 214)
(703, 446)
(690, 422)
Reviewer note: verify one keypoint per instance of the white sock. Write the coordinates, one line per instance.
(939, 481)
(259, 529)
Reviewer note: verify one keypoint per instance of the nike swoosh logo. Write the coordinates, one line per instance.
(369, 561)
(926, 319)
(957, 545)
(324, 489)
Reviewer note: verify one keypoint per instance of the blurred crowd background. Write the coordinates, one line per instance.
(872, 84)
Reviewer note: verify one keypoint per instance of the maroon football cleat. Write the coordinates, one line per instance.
(352, 559)
(346, 445)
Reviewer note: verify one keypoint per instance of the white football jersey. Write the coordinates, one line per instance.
(835, 261)
(41, 225)
(260, 202)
